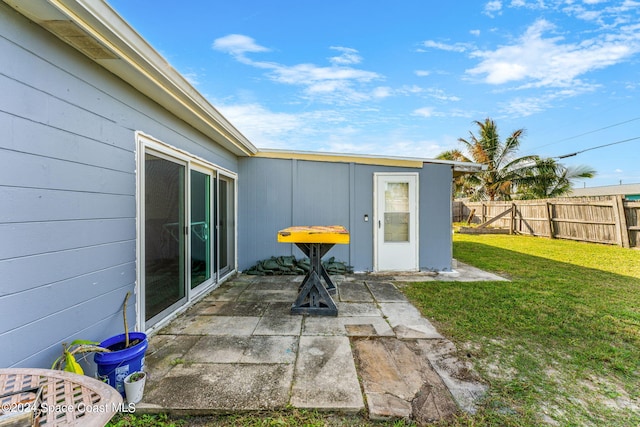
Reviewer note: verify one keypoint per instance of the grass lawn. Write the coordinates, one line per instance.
(560, 343)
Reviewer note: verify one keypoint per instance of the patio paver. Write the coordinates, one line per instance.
(325, 375)
(239, 348)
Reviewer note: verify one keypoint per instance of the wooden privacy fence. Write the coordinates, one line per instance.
(605, 219)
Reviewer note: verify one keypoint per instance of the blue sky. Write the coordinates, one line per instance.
(409, 77)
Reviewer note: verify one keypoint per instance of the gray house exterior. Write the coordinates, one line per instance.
(117, 176)
(275, 193)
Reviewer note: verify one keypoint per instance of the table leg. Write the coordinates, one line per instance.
(315, 252)
(313, 296)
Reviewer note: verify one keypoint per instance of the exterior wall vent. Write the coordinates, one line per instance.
(72, 34)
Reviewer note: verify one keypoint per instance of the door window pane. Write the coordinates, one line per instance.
(200, 228)
(396, 215)
(164, 234)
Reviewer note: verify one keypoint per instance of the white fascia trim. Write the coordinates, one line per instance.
(140, 65)
(466, 167)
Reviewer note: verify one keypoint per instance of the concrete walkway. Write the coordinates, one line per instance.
(239, 348)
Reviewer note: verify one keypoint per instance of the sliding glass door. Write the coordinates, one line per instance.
(202, 248)
(164, 235)
(187, 229)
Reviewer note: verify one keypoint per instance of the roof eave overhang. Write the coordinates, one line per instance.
(96, 30)
(459, 168)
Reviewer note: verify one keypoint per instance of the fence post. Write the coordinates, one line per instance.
(621, 222)
(512, 226)
(484, 213)
(548, 211)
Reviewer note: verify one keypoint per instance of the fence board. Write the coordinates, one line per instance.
(602, 219)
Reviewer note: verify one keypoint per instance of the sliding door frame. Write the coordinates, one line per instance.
(147, 144)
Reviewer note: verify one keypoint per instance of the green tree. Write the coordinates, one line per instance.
(504, 169)
(548, 179)
(506, 173)
(464, 185)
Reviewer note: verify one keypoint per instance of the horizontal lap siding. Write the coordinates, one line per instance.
(68, 192)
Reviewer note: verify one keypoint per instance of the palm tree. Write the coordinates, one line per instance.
(504, 169)
(531, 176)
(464, 185)
(550, 179)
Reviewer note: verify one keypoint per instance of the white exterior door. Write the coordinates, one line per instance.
(396, 222)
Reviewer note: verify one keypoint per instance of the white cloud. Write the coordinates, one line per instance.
(441, 95)
(551, 62)
(492, 7)
(456, 47)
(410, 90)
(419, 149)
(262, 127)
(338, 83)
(422, 73)
(303, 74)
(424, 112)
(527, 106)
(237, 45)
(523, 107)
(395, 146)
(537, 4)
(348, 56)
(382, 92)
(475, 33)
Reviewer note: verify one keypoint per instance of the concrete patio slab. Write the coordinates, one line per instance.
(354, 292)
(283, 325)
(272, 295)
(400, 382)
(164, 351)
(212, 387)
(338, 326)
(230, 291)
(240, 348)
(361, 309)
(214, 325)
(231, 308)
(253, 349)
(385, 291)
(407, 322)
(325, 375)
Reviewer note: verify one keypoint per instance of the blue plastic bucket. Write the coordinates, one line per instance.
(114, 366)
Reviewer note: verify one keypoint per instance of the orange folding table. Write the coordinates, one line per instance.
(315, 241)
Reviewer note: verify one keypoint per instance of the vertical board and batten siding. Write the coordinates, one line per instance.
(275, 194)
(68, 192)
(436, 244)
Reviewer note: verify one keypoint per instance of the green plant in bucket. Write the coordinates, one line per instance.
(67, 361)
(137, 376)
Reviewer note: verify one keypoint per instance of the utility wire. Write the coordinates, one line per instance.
(564, 156)
(586, 133)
